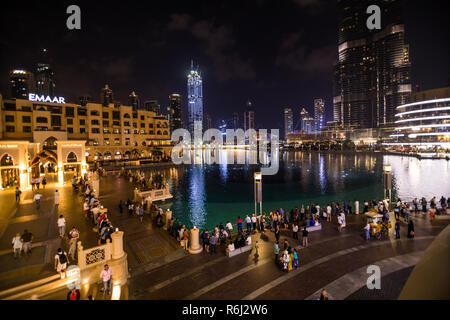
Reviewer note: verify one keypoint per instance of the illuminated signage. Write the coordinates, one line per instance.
(42, 98)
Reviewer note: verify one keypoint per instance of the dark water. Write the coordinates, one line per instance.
(205, 195)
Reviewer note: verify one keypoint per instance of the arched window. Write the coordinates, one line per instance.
(159, 132)
(126, 115)
(50, 143)
(143, 143)
(107, 155)
(7, 161)
(72, 157)
(158, 125)
(165, 132)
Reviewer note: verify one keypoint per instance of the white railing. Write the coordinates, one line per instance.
(94, 256)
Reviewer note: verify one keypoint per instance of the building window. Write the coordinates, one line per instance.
(142, 125)
(69, 130)
(134, 125)
(9, 118)
(126, 124)
(126, 115)
(26, 119)
(116, 123)
(106, 142)
(143, 143)
(82, 130)
(116, 115)
(150, 125)
(142, 131)
(105, 123)
(116, 141)
(82, 112)
(135, 131)
(41, 120)
(142, 117)
(82, 122)
(56, 120)
(94, 122)
(159, 132)
(106, 130)
(94, 113)
(165, 133)
(26, 129)
(116, 131)
(151, 132)
(134, 115)
(69, 121)
(105, 115)
(126, 131)
(95, 130)
(69, 112)
(10, 129)
(26, 109)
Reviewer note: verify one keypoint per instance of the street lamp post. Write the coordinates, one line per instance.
(387, 183)
(258, 192)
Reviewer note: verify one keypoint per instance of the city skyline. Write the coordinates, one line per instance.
(266, 80)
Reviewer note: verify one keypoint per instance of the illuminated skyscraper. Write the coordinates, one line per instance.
(45, 80)
(195, 100)
(249, 117)
(306, 121)
(372, 75)
(288, 121)
(319, 114)
(174, 112)
(22, 83)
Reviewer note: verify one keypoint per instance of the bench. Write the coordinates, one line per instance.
(235, 252)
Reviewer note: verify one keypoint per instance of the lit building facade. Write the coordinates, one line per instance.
(45, 80)
(249, 117)
(22, 83)
(110, 132)
(195, 100)
(307, 123)
(175, 112)
(288, 121)
(319, 114)
(424, 121)
(372, 75)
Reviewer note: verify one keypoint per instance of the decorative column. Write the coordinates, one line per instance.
(168, 216)
(117, 244)
(195, 246)
(119, 261)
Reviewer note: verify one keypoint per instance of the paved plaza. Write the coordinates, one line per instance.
(161, 269)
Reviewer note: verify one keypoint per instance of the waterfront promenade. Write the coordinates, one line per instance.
(160, 268)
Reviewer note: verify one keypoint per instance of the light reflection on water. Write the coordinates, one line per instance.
(205, 195)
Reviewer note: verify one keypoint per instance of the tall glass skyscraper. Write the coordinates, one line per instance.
(45, 80)
(288, 121)
(372, 75)
(195, 100)
(319, 114)
(22, 83)
(174, 112)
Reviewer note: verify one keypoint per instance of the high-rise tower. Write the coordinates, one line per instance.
(195, 100)
(288, 121)
(319, 114)
(22, 83)
(372, 75)
(45, 80)
(174, 112)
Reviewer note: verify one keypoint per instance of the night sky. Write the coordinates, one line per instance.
(276, 53)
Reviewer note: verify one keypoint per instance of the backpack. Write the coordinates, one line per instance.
(62, 258)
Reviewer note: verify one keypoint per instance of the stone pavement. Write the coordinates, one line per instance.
(330, 256)
(42, 223)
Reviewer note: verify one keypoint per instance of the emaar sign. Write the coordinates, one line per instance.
(42, 98)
